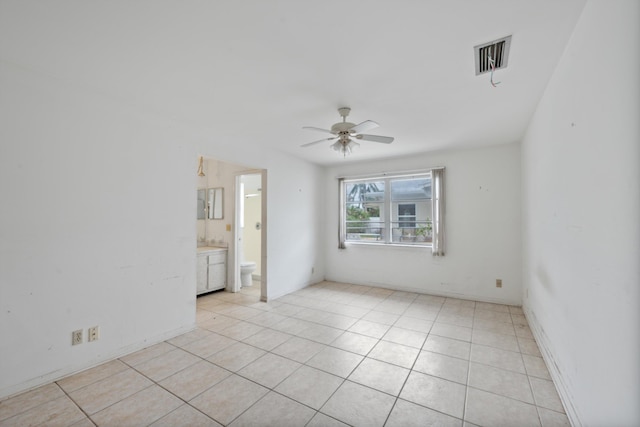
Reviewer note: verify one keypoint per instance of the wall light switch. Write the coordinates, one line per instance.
(498, 283)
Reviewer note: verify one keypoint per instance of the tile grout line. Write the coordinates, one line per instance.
(422, 348)
(412, 370)
(78, 406)
(320, 303)
(157, 383)
(273, 389)
(467, 386)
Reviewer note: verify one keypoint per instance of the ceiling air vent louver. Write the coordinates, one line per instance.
(498, 50)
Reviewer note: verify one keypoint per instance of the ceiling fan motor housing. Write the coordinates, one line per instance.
(344, 111)
(342, 127)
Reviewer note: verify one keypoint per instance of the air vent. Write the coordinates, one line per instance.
(498, 50)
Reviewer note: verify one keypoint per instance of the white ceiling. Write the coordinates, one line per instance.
(255, 72)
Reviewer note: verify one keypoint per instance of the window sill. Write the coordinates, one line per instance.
(427, 245)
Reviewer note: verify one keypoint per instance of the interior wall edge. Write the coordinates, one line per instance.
(281, 293)
(427, 291)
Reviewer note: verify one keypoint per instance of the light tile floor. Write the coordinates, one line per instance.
(329, 355)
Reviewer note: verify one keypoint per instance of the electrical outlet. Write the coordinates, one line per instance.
(76, 337)
(498, 283)
(93, 334)
(313, 270)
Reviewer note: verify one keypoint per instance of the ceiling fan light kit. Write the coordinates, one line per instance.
(346, 133)
(345, 146)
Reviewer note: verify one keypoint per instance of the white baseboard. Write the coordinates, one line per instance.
(554, 370)
(58, 374)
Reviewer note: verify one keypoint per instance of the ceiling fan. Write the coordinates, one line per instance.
(346, 133)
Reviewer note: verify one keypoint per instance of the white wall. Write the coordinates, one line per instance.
(97, 225)
(483, 230)
(581, 209)
(295, 223)
(96, 229)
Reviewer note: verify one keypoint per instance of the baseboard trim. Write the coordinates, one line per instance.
(433, 292)
(58, 374)
(554, 370)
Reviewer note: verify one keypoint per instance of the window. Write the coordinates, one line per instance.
(394, 209)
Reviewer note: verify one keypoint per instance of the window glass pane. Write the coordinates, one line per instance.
(365, 210)
(361, 191)
(411, 210)
(409, 203)
(411, 188)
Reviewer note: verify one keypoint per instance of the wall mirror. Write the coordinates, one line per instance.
(215, 200)
(202, 204)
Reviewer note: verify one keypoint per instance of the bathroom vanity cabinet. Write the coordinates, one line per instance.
(211, 274)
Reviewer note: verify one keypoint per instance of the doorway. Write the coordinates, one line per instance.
(250, 232)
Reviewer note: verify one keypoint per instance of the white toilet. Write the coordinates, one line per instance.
(246, 268)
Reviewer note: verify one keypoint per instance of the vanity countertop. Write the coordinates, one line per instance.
(202, 249)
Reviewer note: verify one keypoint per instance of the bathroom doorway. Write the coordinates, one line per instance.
(250, 232)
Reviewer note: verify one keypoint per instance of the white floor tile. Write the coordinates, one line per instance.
(185, 415)
(484, 408)
(551, 418)
(407, 414)
(359, 355)
(335, 361)
(499, 381)
(142, 408)
(358, 405)
(498, 358)
(393, 353)
(435, 393)
(228, 399)
(275, 410)
(192, 381)
(310, 386)
(269, 370)
(370, 329)
(355, 343)
(545, 394)
(382, 376)
(536, 367)
(298, 349)
(442, 366)
(405, 337)
(322, 420)
(448, 346)
(236, 356)
(451, 331)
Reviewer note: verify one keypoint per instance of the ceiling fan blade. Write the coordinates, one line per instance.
(318, 141)
(375, 138)
(364, 126)
(318, 129)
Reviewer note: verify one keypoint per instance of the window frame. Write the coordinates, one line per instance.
(389, 217)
